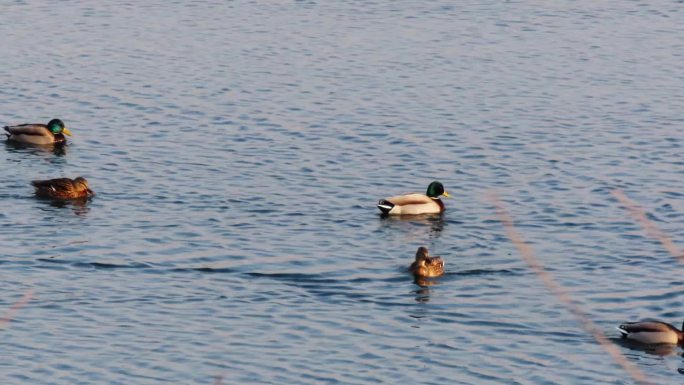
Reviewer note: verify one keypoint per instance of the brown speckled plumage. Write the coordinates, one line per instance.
(62, 188)
(425, 265)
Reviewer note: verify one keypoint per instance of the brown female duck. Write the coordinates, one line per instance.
(63, 188)
(425, 265)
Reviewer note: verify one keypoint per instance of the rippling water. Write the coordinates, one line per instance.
(238, 150)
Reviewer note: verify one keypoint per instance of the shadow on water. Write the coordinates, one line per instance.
(58, 150)
(94, 265)
(422, 294)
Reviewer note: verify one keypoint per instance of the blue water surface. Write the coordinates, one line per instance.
(238, 149)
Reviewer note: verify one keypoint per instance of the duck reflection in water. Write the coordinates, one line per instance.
(57, 149)
(654, 349)
(423, 293)
(417, 225)
(79, 205)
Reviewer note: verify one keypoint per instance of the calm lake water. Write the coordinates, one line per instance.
(238, 150)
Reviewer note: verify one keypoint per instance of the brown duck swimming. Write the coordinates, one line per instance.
(425, 265)
(37, 133)
(62, 188)
(652, 332)
(428, 203)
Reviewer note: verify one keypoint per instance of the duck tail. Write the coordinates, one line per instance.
(385, 206)
(622, 331)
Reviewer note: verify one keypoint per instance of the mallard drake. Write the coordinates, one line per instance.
(50, 133)
(425, 265)
(428, 203)
(62, 188)
(651, 332)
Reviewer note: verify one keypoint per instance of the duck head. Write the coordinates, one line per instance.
(56, 126)
(81, 185)
(435, 190)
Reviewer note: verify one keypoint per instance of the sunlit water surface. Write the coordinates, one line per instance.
(238, 150)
